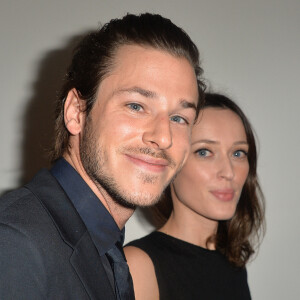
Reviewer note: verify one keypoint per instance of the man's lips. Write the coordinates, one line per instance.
(224, 195)
(148, 162)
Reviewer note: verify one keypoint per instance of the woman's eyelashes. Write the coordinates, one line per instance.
(240, 153)
(203, 152)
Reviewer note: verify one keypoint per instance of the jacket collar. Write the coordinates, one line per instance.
(85, 259)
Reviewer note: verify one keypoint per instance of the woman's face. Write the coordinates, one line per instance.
(211, 181)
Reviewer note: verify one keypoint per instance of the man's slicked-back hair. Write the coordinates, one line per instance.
(94, 57)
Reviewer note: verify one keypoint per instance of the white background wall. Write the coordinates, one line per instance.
(249, 50)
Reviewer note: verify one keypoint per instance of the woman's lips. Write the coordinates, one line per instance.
(149, 163)
(224, 195)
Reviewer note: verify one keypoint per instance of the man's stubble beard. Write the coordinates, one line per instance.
(94, 158)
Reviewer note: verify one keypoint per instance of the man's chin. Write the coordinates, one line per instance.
(139, 199)
(128, 199)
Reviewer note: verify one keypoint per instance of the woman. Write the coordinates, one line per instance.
(210, 215)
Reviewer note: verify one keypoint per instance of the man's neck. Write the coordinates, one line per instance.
(120, 213)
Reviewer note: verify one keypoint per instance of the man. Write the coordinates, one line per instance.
(123, 128)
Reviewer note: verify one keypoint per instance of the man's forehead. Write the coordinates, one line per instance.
(131, 49)
(143, 70)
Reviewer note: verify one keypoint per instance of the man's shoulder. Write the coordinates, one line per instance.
(21, 199)
(41, 211)
(23, 209)
(26, 223)
(34, 257)
(16, 202)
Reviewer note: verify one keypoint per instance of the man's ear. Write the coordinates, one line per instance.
(74, 112)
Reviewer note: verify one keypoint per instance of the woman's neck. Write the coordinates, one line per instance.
(191, 227)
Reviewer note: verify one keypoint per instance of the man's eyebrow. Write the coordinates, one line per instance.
(150, 94)
(138, 90)
(186, 104)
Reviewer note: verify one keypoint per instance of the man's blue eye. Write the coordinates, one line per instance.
(135, 106)
(178, 119)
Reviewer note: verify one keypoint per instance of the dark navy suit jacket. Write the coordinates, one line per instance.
(46, 251)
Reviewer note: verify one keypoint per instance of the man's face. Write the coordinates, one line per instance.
(137, 136)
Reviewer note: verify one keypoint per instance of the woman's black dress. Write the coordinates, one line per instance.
(187, 272)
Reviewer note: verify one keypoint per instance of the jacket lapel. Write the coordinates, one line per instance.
(85, 259)
(86, 262)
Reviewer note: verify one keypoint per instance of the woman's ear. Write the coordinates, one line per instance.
(74, 112)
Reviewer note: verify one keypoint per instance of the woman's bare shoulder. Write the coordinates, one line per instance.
(143, 274)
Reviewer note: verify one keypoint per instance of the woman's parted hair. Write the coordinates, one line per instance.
(238, 237)
(94, 57)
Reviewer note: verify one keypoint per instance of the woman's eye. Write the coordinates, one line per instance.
(203, 152)
(135, 106)
(240, 154)
(178, 119)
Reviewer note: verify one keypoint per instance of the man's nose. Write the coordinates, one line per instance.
(158, 133)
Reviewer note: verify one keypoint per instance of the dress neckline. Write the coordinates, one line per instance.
(184, 245)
